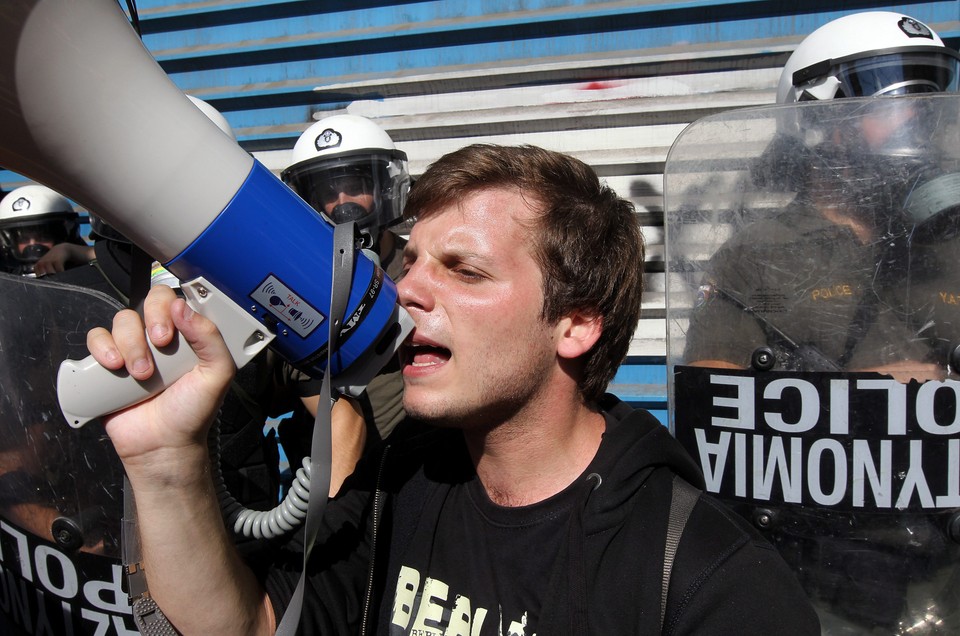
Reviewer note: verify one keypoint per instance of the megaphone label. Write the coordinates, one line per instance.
(288, 306)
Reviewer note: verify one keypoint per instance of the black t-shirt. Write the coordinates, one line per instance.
(482, 568)
(588, 560)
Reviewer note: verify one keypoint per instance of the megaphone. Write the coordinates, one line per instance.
(87, 111)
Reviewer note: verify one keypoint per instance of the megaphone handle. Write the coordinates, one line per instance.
(87, 390)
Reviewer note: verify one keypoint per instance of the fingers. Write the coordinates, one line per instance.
(130, 344)
(55, 260)
(157, 307)
(164, 314)
(41, 269)
(101, 347)
(126, 344)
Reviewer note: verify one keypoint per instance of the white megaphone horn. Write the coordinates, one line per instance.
(86, 110)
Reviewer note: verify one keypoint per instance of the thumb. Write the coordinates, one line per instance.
(205, 339)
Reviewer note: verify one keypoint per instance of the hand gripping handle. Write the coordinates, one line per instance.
(87, 390)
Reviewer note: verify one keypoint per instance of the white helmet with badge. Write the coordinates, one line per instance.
(347, 168)
(873, 54)
(33, 218)
(869, 54)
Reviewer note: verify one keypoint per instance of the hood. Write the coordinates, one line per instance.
(634, 444)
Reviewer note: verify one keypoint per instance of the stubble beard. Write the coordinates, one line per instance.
(487, 404)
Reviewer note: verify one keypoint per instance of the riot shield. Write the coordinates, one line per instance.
(813, 314)
(60, 488)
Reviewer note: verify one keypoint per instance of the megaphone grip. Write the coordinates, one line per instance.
(87, 390)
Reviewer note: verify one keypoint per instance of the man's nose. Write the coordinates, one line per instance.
(413, 290)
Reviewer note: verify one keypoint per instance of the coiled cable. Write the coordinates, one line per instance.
(285, 517)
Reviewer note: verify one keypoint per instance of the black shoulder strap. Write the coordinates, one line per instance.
(682, 500)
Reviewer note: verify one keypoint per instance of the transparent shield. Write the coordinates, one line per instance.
(813, 317)
(60, 488)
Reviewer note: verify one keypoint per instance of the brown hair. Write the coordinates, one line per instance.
(587, 239)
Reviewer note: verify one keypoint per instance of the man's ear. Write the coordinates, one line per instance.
(578, 332)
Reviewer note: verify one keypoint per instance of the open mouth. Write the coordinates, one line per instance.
(425, 355)
(421, 353)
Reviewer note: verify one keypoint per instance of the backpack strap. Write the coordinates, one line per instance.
(682, 500)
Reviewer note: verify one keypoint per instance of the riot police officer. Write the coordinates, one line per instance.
(348, 169)
(33, 219)
(852, 275)
(848, 214)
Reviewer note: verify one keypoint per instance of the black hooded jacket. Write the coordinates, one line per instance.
(607, 578)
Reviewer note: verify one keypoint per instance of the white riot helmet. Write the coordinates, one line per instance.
(347, 168)
(869, 54)
(215, 116)
(32, 219)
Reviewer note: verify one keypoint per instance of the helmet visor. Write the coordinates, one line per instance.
(346, 192)
(333, 187)
(368, 187)
(874, 73)
(898, 74)
(29, 243)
